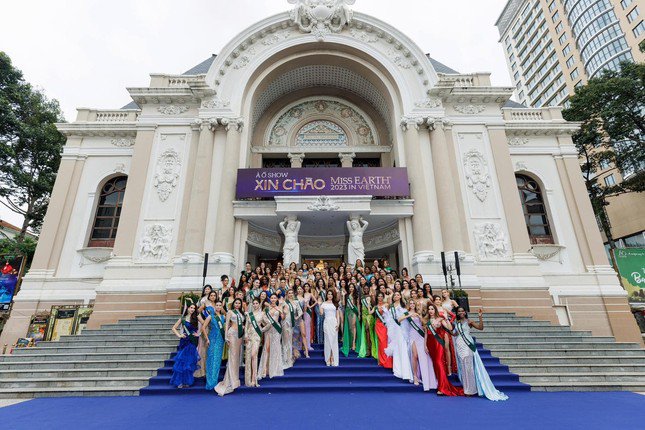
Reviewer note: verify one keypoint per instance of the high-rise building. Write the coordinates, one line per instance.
(553, 46)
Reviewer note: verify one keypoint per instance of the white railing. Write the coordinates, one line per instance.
(526, 115)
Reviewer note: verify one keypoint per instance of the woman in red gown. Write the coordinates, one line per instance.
(450, 355)
(435, 328)
(381, 332)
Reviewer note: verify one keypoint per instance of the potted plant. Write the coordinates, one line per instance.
(187, 299)
(461, 297)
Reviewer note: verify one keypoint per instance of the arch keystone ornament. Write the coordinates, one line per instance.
(321, 17)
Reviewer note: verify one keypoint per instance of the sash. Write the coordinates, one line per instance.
(255, 325)
(275, 325)
(220, 324)
(293, 320)
(352, 307)
(380, 317)
(365, 302)
(434, 333)
(240, 324)
(393, 312)
(414, 324)
(308, 309)
(471, 345)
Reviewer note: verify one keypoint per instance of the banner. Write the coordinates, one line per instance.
(338, 181)
(10, 268)
(631, 267)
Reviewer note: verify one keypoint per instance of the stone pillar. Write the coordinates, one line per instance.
(133, 199)
(423, 250)
(217, 169)
(296, 160)
(446, 179)
(197, 207)
(224, 245)
(346, 159)
(59, 212)
(520, 240)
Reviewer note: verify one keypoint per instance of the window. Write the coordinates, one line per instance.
(513, 66)
(537, 221)
(639, 29)
(610, 181)
(555, 17)
(604, 164)
(559, 27)
(516, 76)
(366, 162)
(570, 61)
(563, 38)
(635, 241)
(566, 50)
(625, 3)
(108, 212)
(631, 16)
(552, 6)
(321, 162)
(575, 73)
(276, 163)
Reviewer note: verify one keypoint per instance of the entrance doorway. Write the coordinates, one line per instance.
(319, 262)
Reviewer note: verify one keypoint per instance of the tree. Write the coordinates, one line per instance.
(30, 146)
(611, 109)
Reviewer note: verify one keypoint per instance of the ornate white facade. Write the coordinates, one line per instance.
(315, 84)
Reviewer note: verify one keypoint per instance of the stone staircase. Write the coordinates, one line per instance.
(555, 358)
(135, 356)
(115, 360)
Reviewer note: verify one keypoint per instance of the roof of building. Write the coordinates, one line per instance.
(202, 69)
(513, 104)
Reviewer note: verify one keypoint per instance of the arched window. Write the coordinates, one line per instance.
(535, 216)
(108, 212)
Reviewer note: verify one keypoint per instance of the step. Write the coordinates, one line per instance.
(510, 333)
(589, 386)
(112, 341)
(517, 339)
(532, 378)
(505, 346)
(83, 364)
(569, 368)
(127, 331)
(82, 349)
(75, 382)
(116, 356)
(511, 361)
(67, 373)
(21, 393)
(130, 336)
(589, 352)
(138, 326)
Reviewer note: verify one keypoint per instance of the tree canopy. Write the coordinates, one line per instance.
(30, 146)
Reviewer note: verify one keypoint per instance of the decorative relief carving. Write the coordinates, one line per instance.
(400, 59)
(119, 168)
(172, 110)
(167, 176)
(244, 60)
(94, 255)
(321, 17)
(216, 103)
(364, 35)
(491, 241)
(520, 166)
(428, 103)
(518, 141)
(321, 132)
(323, 204)
(123, 142)
(155, 243)
(276, 37)
(383, 239)
(470, 109)
(263, 240)
(476, 171)
(546, 252)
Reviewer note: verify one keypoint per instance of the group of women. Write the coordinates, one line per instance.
(273, 317)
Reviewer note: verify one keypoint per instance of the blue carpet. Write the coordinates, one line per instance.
(524, 410)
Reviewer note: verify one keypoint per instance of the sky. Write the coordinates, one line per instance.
(84, 53)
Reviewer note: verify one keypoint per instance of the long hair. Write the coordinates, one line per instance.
(334, 298)
(436, 310)
(204, 289)
(193, 317)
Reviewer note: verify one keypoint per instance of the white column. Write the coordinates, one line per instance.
(296, 160)
(346, 159)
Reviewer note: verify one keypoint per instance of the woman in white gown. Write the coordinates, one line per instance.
(330, 329)
(421, 362)
(397, 345)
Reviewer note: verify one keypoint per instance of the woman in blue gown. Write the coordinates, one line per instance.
(187, 358)
(214, 322)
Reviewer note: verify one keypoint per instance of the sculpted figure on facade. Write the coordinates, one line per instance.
(477, 177)
(167, 175)
(491, 241)
(156, 242)
(356, 247)
(321, 17)
(291, 249)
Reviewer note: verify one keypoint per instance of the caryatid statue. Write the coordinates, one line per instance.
(356, 248)
(291, 249)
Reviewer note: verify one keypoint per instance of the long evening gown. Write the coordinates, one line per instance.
(351, 325)
(307, 318)
(320, 321)
(367, 332)
(287, 336)
(201, 350)
(381, 335)
(331, 333)
(397, 345)
(215, 349)
(232, 376)
(252, 347)
(450, 316)
(439, 361)
(472, 372)
(296, 338)
(425, 369)
(271, 360)
(187, 358)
